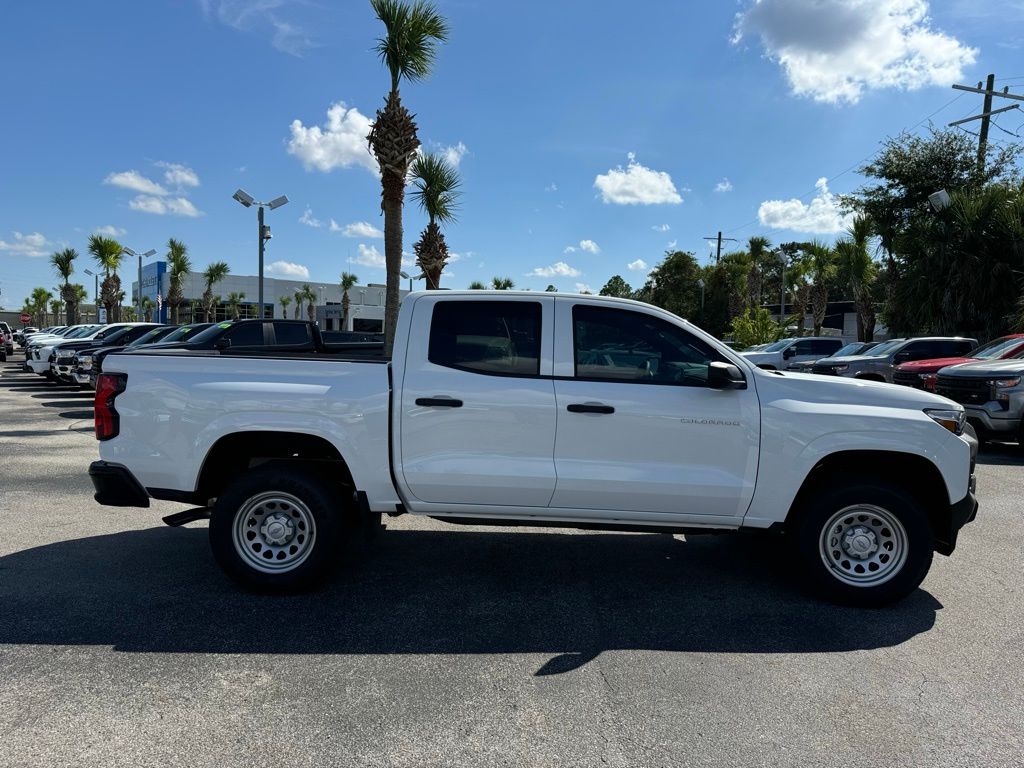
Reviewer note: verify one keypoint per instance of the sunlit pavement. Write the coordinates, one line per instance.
(122, 645)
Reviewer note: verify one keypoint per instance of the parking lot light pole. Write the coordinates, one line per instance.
(138, 296)
(248, 201)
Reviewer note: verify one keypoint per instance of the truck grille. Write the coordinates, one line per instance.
(907, 379)
(824, 370)
(966, 391)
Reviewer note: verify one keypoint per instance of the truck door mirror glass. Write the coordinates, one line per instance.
(725, 376)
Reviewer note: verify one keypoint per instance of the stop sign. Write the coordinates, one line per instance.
(25, 318)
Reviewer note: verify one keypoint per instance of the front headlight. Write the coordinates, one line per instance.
(1005, 383)
(838, 368)
(952, 419)
(85, 361)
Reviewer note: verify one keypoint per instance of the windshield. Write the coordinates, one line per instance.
(777, 345)
(185, 332)
(849, 349)
(886, 347)
(152, 336)
(995, 349)
(215, 330)
(78, 333)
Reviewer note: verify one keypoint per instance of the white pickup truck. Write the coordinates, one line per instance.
(537, 409)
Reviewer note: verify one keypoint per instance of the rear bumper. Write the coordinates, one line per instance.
(116, 486)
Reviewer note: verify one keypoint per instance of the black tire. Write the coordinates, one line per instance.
(832, 580)
(321, 537)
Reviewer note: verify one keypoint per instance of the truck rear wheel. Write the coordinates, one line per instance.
(278, 530)
(868, 544)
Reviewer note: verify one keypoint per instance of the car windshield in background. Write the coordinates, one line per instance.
(188, 333)
(148, 338)
(995, 349)
(79, 332)
(777, 346)
(849, 349)
(885, 348)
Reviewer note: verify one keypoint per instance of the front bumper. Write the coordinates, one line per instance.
(995, 421)
(960, 514)
(42, 367)
(84, 379)
(116, 486)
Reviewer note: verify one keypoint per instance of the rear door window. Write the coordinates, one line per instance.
(292, 334)
(495, 337)
(246, 335)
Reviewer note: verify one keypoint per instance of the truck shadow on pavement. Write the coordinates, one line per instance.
(1002, 454)
(441, 592)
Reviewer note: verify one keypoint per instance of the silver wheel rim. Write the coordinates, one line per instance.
(274, 532)
(863, 545)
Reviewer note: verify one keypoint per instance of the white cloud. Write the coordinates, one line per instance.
(558, 269)
(636, 185)
(589, 246)
(671, 244)
(110, 231)
(175, 206)
(340, 143)
(177, 175)
(135, 181)
(637, 265)
(661, 227)
(723, 186)
(290, 39)
(455, 154)
(821, 216)
(369, 256)
(832, 50)
(569, 249)
(260, 16)
(583, 288)
(307, 219)
(357, 229)
(288, 270)
(34, 244)
(552, 187)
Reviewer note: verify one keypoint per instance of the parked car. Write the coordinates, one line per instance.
(923, 373)
(6, 338)
(64, 358)
(35, 342)
(850, 350)
(777, 356)
(42, 352)
(89, 361)
(256, 337)
(880, 362)
(992, 395)
(519, 408)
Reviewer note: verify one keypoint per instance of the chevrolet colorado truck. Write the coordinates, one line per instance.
(509, 408)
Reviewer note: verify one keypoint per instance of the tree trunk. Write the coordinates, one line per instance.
(298, 309)
(345, 305)
(392, 205)
(819, 304)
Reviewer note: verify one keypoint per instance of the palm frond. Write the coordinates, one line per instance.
(436, 184)
(412, 32)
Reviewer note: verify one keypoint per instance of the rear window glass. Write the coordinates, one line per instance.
(487, 336)
(292, 334)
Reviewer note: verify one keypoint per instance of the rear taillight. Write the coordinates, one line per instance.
(108, 386)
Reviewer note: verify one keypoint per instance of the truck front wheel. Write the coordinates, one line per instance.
(277, 530)
(868, 544)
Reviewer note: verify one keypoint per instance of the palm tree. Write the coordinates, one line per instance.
(37, 302)
(63, 263)
(234, 300)
(436, 183)
(56, 305)
(476, 285)
(347, 281)
(408, 50)
(147, 309)
(758, 249)
(78, 297)
(299, 298)
(284, 301)
(859, 269)
(178, 265)
(735, 267)
(822, 267)
(212, 275)
(502, 284)
(108, 254)
(310, 296)
(796, 277)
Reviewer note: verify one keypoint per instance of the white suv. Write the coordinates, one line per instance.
(782, 354)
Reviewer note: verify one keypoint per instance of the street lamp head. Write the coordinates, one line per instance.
(277, 202)
(404, 275)
(129, 251)
(90, 272)
(700, 282)
(149, 253)
(939, 200)
(244, 197)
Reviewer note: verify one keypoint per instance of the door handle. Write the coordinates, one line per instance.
(590, 408)
(435, 402)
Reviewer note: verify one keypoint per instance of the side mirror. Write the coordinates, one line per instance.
(725, 376)
(789, 352)
(222, 343)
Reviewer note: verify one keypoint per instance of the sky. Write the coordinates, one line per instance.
(591, 136)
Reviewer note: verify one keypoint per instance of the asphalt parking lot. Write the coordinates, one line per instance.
(122, 645)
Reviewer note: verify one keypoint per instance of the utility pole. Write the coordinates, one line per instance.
(718, 250)
(986, 112)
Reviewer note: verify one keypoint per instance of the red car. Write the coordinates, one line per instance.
(921, 374)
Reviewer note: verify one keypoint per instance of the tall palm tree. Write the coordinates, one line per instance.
(212, 275)
(800, 288)
(234, 301)
(299, 296)
(347, 281)
(108, 254)
(502, 284)
(38, 301)
(284, 301)
(476, 285)
(178, 265)
(147, 309)
(310, 296)
(56, 305)
(63, 263)
(859, 269)
(78, 297)
(436, 183)
(822, 264)
(757, 247)
(408, 50)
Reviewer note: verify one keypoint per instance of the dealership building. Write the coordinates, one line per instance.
(366, 310)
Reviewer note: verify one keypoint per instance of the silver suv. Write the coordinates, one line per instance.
(991, 394)
(878, 363)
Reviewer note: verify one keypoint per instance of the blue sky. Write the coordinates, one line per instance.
(591, 136)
